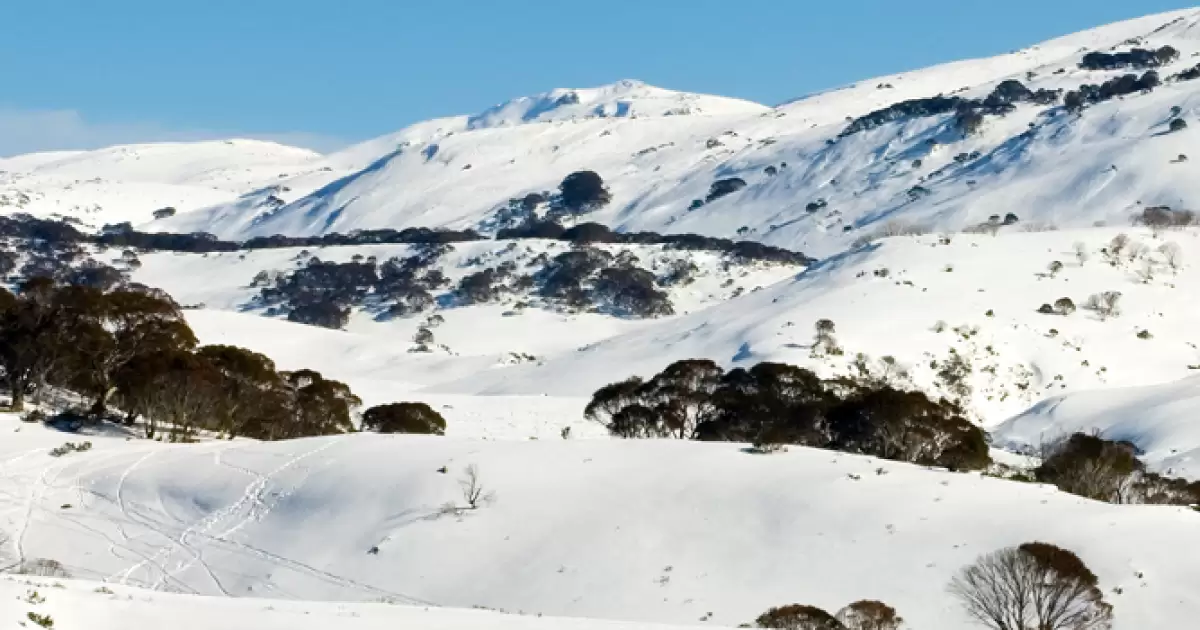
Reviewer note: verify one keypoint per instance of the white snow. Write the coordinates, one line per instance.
(648, 532)
(658, 531)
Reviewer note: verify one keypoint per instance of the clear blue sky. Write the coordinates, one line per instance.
(93, 71)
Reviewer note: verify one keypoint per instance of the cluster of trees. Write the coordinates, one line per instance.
(61, 235)
(1089, 94)
(130, 349)
(772, 404)
(322, 293)
(1002, 100)
(202, 242)
(860, 615)
(583, 233)
(1032, 586)
(1107, 470)
(1137, 58)
(582, 278)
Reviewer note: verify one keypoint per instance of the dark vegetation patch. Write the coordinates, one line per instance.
(773, 404)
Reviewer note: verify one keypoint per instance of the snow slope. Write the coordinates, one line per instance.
(885, 299)
(1039, 162)
(77, 604)
(127, 183)
(1158, 418)
(659, 531)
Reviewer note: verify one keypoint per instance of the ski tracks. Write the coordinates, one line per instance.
(251, 506)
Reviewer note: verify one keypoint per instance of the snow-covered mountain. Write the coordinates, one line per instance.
(660, 150)
(902, 186)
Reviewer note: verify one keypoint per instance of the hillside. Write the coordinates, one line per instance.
(809, 185)
(1017, 235)
(977, 295)
(653, 531)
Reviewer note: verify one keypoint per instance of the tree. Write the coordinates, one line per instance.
(869, 615)
(1105, 305)
(824, 341)
(1054, 267)
(1064, 306)
(1036, 586)
(473, 490)
(404, 417)
(1173, 254)
(314, 405)
(798, 617)
(582, 192)
(248, 380)
(1081, 253)
(1091, 467)
(35, 337)
(1178, 124)
(136, 323)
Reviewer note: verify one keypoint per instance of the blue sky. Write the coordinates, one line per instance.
(83, 73)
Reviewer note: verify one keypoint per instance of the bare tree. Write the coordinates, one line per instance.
(1081, 253)
(1173, 254)
(1035, 586)
(1145, 273)
(473, 490)
(1115, 248)
(1105, 304)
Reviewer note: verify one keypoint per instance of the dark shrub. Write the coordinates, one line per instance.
(405, 417)
(631, 292)
(1178, 124)
(723, 187)
(323, 314)
(582, 192)
(798, 617)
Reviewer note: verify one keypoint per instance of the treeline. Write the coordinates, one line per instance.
(130, 349)
(592, 233)
(27, 227)
(1109, 470)
(773, 404)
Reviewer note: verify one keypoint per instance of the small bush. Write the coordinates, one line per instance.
(405, 417)
(798, 617)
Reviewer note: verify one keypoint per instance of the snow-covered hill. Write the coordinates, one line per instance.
(660, 150)
(75, 604)
(914, 298)
(675, 532)
(663, 531)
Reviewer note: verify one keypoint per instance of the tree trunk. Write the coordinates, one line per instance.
(18, 396)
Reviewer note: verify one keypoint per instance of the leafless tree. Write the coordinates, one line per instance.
(473, 490)
(1115, 248)
(1105, 304)
(1145, 273)
(1035, 586)
(1173, 254)
(1081, 253)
